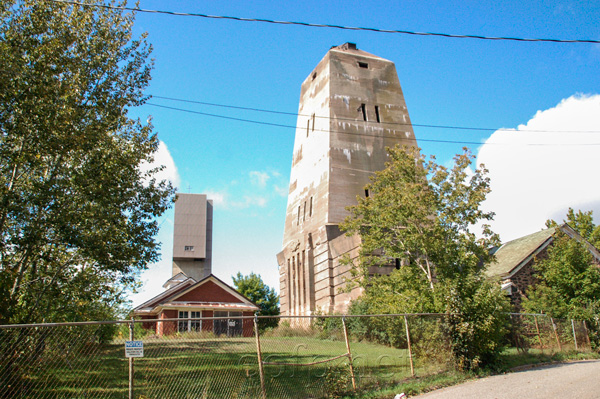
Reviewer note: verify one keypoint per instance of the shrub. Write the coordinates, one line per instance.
(476, 321)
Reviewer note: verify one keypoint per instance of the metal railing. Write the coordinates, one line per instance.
(255, 357)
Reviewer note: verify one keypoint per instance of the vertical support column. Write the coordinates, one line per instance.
(307, 285)
(301, 285)
(289, 286)
(537, 329)
(260, 361)
(410, 357)
(131, 337)
(574, 335)
(349, 353)
(556, 334)
(296, 286)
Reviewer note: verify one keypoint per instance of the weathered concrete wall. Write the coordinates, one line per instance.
(351, 108)
(192, 236)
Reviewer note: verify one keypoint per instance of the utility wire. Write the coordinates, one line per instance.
(364, 133)
(487, 129)
(314, 25)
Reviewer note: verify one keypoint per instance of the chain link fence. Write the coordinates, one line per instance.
(543, 333)
(283, 357)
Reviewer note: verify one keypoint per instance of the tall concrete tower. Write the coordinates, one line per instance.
(192, 236)
(351, 109)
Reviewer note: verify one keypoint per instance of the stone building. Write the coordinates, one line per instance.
(351, 108)
(515, 259)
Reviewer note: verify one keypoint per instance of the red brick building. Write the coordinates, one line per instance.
(194, 301)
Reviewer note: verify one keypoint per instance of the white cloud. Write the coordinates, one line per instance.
(281, 191)
(219, 198)
(163, 157)
(259, 178)
(223, 200)
(557, 170)
(249, 201)
(158, 273)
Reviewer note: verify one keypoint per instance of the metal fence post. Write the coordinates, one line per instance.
(556, 334)
(537, 329)
(260, 361)
(131, 337)
(410, 357)
(349, 353)
(574, 335)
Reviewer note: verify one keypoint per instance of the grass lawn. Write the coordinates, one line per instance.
(199, 367)
(188, 367)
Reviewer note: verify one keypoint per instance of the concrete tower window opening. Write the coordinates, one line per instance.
(188, 248)
(289, 281)
(313, 122)
(304, 296)
(307, 127)
(292, 281)
(377, 114)
(299, 215)
(310, 210)
(363, 65)
(366, 193)
(363, 110)
(304, 212)
(295, 283)
(300, 275)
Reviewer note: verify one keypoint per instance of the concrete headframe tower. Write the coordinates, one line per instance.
(351, 109)
(192, 236)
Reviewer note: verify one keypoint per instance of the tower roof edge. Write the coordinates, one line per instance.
(353, 49)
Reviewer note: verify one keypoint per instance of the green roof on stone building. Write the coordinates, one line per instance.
(513, 253)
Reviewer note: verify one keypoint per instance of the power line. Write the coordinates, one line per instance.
(361, 134)
(315, 25)
(295, 114)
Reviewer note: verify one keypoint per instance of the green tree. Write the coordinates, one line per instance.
(253, 288)
(419, 216)
(78, 199)
(569, 277)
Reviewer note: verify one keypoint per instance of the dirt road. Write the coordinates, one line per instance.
(579, 380)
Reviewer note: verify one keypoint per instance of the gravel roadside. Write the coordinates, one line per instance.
(578, 379)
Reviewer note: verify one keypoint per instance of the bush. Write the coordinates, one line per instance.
(331, 328)
(284, 329)
(337, 382)
(476, 321)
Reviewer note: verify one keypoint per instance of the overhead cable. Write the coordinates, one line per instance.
(315, 25)
(363, 133)
(295, 114)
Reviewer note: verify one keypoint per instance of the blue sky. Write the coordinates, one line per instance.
(245, 167)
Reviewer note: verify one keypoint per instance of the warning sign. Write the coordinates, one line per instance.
(134, 349)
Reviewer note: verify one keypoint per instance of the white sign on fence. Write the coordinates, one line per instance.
(134, 349)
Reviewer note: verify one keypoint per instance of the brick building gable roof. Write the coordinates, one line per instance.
(173, 297)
